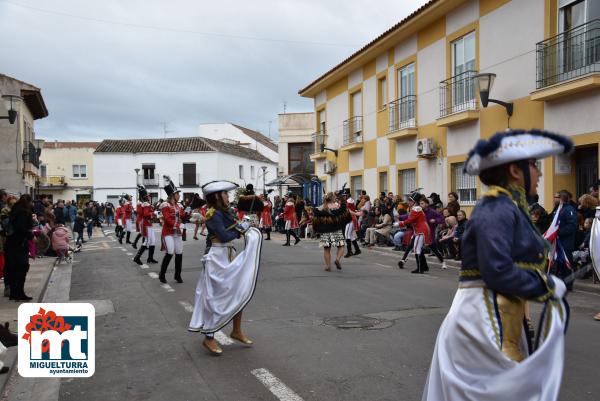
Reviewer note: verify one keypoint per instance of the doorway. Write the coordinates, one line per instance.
(586, 168)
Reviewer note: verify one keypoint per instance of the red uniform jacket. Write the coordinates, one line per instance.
(418, 220)
(265, 216)
(146, 213)
(352, 207)
(138, 217)
(119, 213)
(127, 210)
(289, 214)
(173, 216)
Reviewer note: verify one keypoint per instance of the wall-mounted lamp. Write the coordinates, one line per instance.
(11, 102)
(484, 84)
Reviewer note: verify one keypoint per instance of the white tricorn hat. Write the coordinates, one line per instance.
(515, 145)
(218, 186)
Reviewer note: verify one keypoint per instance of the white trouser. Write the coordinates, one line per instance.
(174, 244)
(128, 225)
(349, 232)
(150, 238)
(419, 243)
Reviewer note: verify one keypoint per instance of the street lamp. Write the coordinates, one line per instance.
(11, 102)
(264, 169)
(484, 82)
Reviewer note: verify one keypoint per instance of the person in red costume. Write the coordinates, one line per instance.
(138, 219)
(352, 227)
(422, 236)
(145, 215)
(291, 221)
(172, 242)
(119, 220)
(265, 217)
(127, 223)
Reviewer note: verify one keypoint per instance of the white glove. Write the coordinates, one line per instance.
(396, 224)
(245, 225)
(560, 289)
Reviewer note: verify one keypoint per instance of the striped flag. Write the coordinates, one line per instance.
(557, 252)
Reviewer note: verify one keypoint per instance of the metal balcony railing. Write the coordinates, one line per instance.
(31, 154)
(353, 130)
(148, 182)
(189, 180)
(52, 180)
(319, 139)
(402, 113)
(458, 94)
(569, 55)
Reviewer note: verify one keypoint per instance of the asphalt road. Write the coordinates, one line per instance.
(364, 333)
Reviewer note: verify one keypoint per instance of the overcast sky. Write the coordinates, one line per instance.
(118, 69)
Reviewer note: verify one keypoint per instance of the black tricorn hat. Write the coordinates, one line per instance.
(169, 187)
(142, 192)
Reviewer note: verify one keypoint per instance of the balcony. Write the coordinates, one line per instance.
(189, 180)
(52, 181)
(402, 121)
(353, 133)
(568, 63)
(319, 140)
(150, 181)
(458, 100)
(31, 158)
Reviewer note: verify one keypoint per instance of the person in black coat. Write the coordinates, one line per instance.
(17, 249)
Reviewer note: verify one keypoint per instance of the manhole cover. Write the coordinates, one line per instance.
(352, 322)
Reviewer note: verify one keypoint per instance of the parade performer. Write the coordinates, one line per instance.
(127, 223)
(138, 219)
(172, 230)
(227, 282)
(146, 213)
(421, 234)
(483, 349)
(266, 222)
(330, 219)
(291, 220)
(352, 226)
(119, 220)
(249, 205)
(197, 217)
(595, 248)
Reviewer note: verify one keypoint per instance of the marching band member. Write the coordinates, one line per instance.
(127, 212)
(483, 350)
(172, 230)
(266, 222)
(352, 226)
(119, 220)
(291, 221)
(421, 234)
(329, 220)
(227, 282)
(146, 214)
(138, 219)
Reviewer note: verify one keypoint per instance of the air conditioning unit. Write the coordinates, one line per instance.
(329, 167)
(425, 147)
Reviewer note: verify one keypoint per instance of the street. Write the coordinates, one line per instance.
(364, 333)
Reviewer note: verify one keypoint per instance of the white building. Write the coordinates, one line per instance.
(190, 162)
(246, 137)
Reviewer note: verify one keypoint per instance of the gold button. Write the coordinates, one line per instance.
(541, 256)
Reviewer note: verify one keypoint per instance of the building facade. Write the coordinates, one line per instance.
(67, 171)
(119, 165)
(296, 143)
(403, 111)
(20, 150)
(242, 136)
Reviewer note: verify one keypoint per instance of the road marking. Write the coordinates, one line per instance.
(382, 265)
(187, 306)
(153, 275)
(129, 254)
(222, 338)
(275, 386)
(587, 292)
(124, 250)
(145, 266)
(167, 287)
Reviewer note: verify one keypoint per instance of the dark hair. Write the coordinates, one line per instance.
(424, 199)
(453, 194)
(23, 205)
(215, 200)
(495, 176)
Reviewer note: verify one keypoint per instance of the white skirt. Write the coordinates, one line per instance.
(226, 284)
(468, 363)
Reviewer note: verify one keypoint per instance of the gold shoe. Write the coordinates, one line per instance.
(244, 340)
(216, 350)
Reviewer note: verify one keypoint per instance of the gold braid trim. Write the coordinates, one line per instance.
(472, 273)
(492, 316)
(210, 213)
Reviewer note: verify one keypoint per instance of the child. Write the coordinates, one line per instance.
(582, 254)
(78, 227)
(60, 241)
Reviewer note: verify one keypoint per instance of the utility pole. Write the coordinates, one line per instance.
(284, 107)
(165, 128)
(270, 122)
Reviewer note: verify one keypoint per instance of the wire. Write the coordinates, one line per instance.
(175, 30)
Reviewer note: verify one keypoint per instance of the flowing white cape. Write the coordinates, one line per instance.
(595, 242)
(468, 363)
(225, 287)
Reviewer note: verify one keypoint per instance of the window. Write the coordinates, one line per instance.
(382, 98)
(356, 104)
(148, 171)
(407, 181)
(383, 181)
(356, 183)
(241, 167)
(463, 60)
(43, 170)
(79, 171)
(188, 177)
(299, 158)
(464, 185)
(406, 87)
(252, 175)
(322, 123)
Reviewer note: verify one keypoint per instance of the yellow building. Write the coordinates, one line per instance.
(67, 171)
(403, 111)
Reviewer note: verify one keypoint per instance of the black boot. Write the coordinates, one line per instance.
(418, 269)
(128, 237)
(423, 261)
(163, 267)
(356, 248)
(287, 238)
(135, 241)
(178, 264)
(137, 259)
(268, 231)
(295, 236)
(121, 235)
(349, 247)
(151, 255)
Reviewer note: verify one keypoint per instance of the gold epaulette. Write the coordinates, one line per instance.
(494, 191)
(210, 213)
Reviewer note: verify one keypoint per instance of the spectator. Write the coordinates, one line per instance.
(109, 213)
(70, 214)
(540, 218)
(453, 205)
(582, 254)
(17, 249)
(436, 202)
(363, 224)
(381, 228)
(593, 190)
(60, 241)
(59, 213)
(567, 231)
(587, 206)
(3, 197)
(4, 219)
(461, 218)
(434, 219)
(78, 227)
(447, 240)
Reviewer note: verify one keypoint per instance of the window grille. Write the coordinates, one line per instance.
(464, 185)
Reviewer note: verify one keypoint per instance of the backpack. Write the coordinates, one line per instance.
(7, 227)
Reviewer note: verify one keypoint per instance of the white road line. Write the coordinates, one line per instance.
(222, 338)
(129, 254)
(145, 266)
(187, 306)
(167, 287)
(124, 250)
(275, 386)
(382, 265)
(153, 275)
